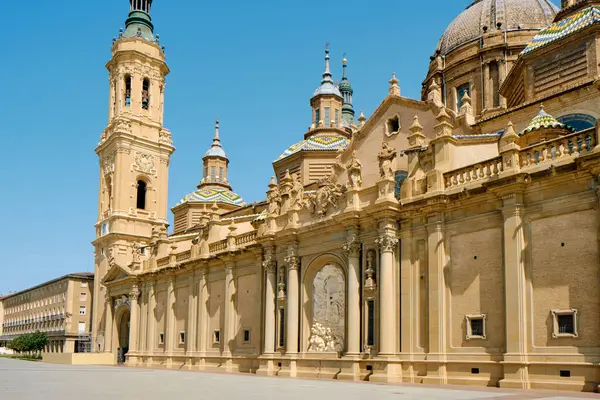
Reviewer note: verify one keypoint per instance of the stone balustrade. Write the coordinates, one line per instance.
(557, 149)
(162, 262)
(245, 239)
(217, 247)
(186, 255)
(473, 173)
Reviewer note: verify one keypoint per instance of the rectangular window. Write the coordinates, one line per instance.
(81, 328)
(281, 328)
(82, 310)
(317, 117)
(337, 118)
(327, 117)
(83, 297)
(460, 92)
(216, 336)
(476, 326)
(371, 323)
(84, 284)
(246, 335)
(181, 337)
(220, 174)
(399, 177)
(161, 338)
(213, 173)
(565, 323)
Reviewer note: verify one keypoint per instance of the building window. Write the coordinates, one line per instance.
(141, 195)
(475, 326)
(399, 177)
(82, 310)
(371, 323)
(216, 336)
(247, 336)
(221, 174)
(317, 117)
(337, 118)
(393, 126)
(81, 328)
(579, 122)
(146, 94)
(84, 284)
(460, 92)
(213, 173)
(181, 337)
(127, 90)
(161, 338)
(281, 328)
(564, 323)
(327, 117)
(494, 84)
(83, 297)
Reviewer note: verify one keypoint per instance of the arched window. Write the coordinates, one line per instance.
(494, 84)
(141, 195)
(127, 90)
(579, 122)
(146, 94)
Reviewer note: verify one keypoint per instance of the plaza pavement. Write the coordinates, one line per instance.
(23, 380)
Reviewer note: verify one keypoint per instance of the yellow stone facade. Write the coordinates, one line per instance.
(450, 239)
(62, 308)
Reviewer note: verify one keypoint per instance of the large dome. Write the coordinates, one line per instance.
(513, 14)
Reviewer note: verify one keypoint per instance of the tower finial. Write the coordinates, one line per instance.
(139, 23)
(327, 73)
(217, 138)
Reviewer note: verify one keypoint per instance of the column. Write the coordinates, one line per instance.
(190, 335)
(228, 326)
(143, 319)
(516, 373)
(202, 312)
(293, 303)
(352, 247)
(270, 306)
(437, 296)
(387, 243)
(170, 320)
(151, 335)
(134, 322)
(501, 77)
(486, 87)
(108, 325)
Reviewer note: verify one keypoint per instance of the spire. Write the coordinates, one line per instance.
(347, 92)
(216, 150)
(327, 84)
(139, 23)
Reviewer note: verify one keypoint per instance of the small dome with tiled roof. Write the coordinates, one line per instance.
(213, 195)
(510, 14)
(319, 142)
(544, 121)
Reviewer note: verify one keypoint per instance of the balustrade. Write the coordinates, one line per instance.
(473, 173)
(559, 148)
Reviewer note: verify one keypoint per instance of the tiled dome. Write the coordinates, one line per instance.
(212, 195)
(322, 142)
(513, 14)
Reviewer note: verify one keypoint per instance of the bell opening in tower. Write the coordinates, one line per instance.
(140, 5)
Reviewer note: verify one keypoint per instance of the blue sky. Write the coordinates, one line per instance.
(254, 65)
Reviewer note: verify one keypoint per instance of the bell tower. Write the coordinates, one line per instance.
(134, 153)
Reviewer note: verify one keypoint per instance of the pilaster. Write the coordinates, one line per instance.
(170, 336)
(108, 324)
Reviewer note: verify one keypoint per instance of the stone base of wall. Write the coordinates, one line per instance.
(79, 358)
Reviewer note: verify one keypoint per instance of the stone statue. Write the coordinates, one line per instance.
(326, 195)
(354, 168)
(322, 340)
(137, 252)
(386, 158)
(297, 199)
(274, 202)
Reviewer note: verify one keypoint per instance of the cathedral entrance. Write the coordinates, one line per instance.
(123, 336)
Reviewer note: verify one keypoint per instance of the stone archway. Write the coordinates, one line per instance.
(123, 327)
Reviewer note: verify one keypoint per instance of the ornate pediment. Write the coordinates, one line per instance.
(115, 274)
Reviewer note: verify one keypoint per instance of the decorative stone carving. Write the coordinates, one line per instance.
(122, 301)
(387, 242)
(297, 194)
(107, 164)
(329, 310)
(122, 125)
(370, 283)
(281, 294)
(386, 158)
(164, 137)
(327, 195)
(354, 169)
(269, 263)
(136, 250)
(352, 247)
(144, 162)
(292, 260)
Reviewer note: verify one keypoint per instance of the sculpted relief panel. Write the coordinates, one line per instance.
(329, 305)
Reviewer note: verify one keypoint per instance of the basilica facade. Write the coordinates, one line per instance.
(447, 239)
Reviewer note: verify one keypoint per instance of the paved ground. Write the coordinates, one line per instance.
(25, 380)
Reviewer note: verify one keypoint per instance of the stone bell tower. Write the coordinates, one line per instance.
(134, 153)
